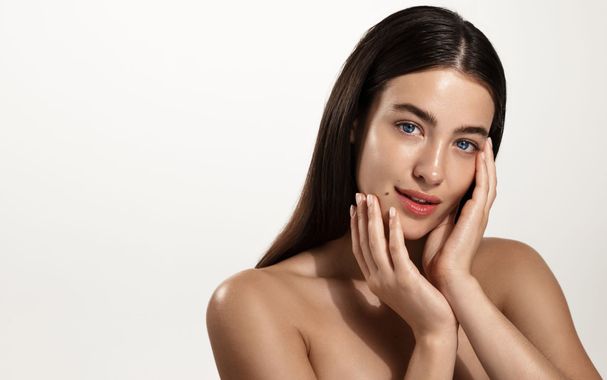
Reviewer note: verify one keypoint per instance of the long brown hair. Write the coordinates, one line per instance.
(409, 40)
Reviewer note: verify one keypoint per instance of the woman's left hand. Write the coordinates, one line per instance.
(450, 248)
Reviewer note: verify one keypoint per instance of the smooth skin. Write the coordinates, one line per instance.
(408, 296)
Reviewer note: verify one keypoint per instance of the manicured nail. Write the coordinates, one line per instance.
(358, 198)
(392, 212)
(369, 200)
(352, 212)
(490, 142)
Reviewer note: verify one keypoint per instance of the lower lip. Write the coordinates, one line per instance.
(416, 208)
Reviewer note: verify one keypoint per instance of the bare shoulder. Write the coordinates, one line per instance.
(280, 289)
(251, 310)
(530, 296)
(514, 267)
(494, 250)
(260, 287)
(498, 260)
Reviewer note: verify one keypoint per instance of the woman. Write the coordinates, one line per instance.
(405, 286)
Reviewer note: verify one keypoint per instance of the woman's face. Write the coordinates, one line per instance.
(411, 142)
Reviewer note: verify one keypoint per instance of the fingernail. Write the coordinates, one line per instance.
(392, 212)
(352, 211)
(369, 200)
(358, 199)
(490, 142)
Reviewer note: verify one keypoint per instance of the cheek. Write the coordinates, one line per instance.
(372, 164)
(463, 177)
(381, 162)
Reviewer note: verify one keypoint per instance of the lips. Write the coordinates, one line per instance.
(430, 199)
(416, 208)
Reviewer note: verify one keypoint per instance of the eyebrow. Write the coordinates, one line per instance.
(429, 118)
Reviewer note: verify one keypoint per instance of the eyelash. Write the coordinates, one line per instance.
(473, 144)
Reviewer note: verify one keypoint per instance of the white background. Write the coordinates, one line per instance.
(150, 149)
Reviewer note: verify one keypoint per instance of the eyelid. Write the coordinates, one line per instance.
(399, 123)
(407, 122)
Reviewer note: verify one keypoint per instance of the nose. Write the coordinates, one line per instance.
(429, 166)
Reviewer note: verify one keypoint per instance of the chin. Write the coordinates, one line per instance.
(415, 232)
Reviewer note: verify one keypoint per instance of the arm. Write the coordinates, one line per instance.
(433, 358)
(535, 337)
(250, 338)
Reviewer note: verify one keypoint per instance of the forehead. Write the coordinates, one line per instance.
(452, 96)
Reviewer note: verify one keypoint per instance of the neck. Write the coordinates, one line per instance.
(345, 265)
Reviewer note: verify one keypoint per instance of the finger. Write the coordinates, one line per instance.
(436, 240)
(492, 177)
(363, 236)
(377, 238)
(398, 251)
(479, 195)
(355, 243)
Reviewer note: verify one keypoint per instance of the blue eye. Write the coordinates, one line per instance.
(468, 144)
(408, 127)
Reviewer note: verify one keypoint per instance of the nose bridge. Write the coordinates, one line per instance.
(430, 163)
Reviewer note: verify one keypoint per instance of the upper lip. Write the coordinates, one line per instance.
(417, 194)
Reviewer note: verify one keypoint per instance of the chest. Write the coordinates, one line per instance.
(350, 337)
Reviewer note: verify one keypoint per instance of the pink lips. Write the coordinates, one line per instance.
(417, 194)
(416, 208)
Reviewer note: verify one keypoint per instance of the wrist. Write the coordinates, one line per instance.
(457, 285)
(445, 341)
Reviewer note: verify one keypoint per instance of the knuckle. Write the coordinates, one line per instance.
(372, 244)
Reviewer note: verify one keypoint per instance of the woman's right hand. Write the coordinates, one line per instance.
(392, 276)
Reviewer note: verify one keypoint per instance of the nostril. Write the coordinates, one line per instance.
(431, 179)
